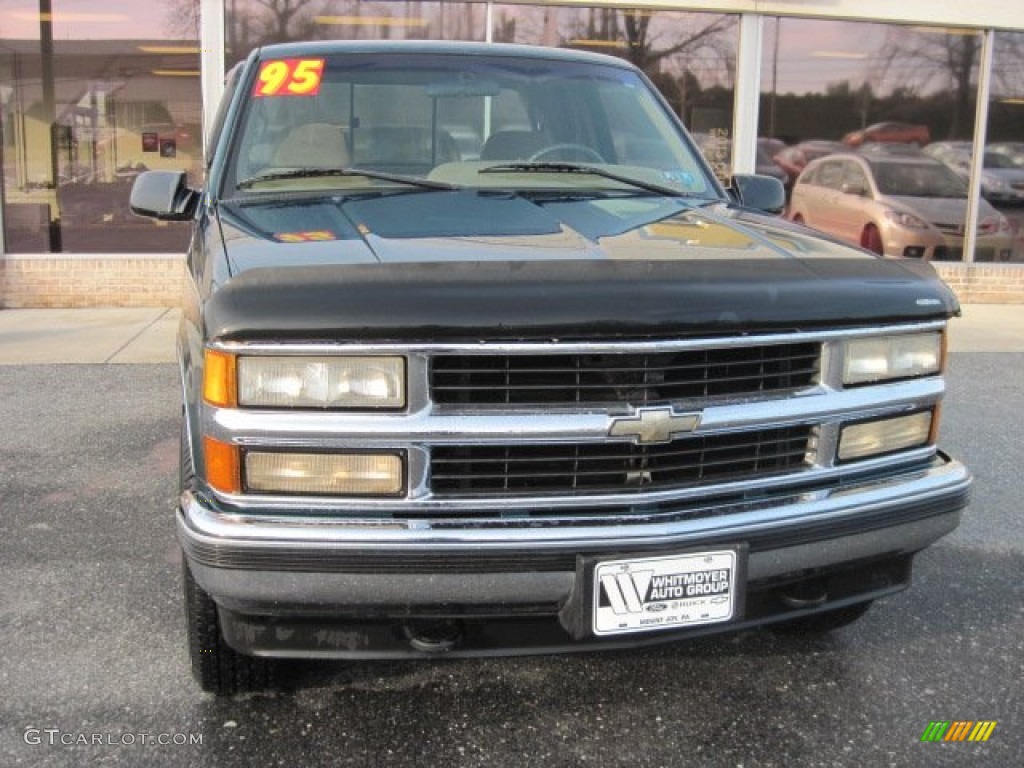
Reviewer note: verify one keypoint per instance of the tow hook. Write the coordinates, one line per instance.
(805, 594)
(434, 637)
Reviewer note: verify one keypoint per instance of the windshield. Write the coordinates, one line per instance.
(451, 119)
(917, 180)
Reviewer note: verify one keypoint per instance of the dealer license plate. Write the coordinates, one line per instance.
(651, 593)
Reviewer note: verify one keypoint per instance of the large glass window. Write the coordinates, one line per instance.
(905, 98)
(1003, 177)
(91, 95)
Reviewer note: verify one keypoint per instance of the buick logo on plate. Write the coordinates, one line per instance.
(654, 425)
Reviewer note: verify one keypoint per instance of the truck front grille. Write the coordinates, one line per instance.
(616, 467)
(637, 379)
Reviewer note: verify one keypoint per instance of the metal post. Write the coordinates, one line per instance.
(211, 59)
(50, 116)
(3, 183)
(978, 152)
(488, 38)
(775, 75)
(748, 93)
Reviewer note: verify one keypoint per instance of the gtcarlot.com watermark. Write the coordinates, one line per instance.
(55, 737)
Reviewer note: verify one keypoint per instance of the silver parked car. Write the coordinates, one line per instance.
(1012, 150)
(1001, 180)
(908, 206)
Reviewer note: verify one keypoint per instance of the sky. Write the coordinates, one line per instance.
(814, 53)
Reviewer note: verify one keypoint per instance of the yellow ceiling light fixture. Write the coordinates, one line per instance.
(170, 50)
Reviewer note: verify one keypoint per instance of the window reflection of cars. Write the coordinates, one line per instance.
(1012, 150)
(792, 160)
(895, 205)
(889, 149)
(767, 149)
(1001, 180)
(771, 146)
(898, 133)
(766, 166)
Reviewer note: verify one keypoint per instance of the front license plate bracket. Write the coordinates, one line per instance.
(623, 594)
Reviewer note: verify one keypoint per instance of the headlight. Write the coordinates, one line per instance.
(333, 474)
(874, 438)
(892, 357)
(905, 219)
(321, 382)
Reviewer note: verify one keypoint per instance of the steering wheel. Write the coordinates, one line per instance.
(583, 149)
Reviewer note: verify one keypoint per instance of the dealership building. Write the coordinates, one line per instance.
(93, 93)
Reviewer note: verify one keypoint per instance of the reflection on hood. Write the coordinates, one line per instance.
(463, 225)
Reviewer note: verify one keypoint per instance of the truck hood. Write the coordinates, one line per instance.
(475, 264)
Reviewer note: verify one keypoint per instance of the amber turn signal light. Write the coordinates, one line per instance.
(219, 379)
(223, 469)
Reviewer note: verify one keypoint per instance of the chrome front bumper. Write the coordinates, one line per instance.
(318, 566)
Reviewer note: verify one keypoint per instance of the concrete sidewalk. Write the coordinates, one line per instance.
(47, 336)
(988, 328)
(44, 336)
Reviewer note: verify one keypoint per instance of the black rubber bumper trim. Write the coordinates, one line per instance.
(368, 637)
(384, 561)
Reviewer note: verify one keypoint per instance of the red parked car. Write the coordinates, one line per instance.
(890, 132)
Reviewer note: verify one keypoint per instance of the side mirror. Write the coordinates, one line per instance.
(854, 189)
(163, 195)
(763, 193)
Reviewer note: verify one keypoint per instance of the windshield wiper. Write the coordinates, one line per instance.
(310, 173)
(528, 167)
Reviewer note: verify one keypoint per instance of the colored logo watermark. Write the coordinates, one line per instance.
(958, 730)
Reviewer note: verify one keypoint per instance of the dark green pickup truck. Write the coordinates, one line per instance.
(477, 357)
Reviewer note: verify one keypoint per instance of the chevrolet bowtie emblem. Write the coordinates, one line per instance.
(654, 425)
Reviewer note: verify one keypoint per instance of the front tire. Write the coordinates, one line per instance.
(216, 666)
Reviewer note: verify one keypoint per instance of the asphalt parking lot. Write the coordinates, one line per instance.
(92, 631)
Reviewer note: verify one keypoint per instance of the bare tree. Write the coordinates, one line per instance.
(249, 22)
(1008, 67)
(182, 19)
(680, 52)
(648, 48)
(284, 20)
(939, 59)
(653, 41)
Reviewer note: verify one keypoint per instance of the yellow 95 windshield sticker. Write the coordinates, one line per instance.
(289, 77)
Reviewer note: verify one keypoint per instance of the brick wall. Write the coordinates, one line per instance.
(984, 283)
(49, 280)
(156, 281)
